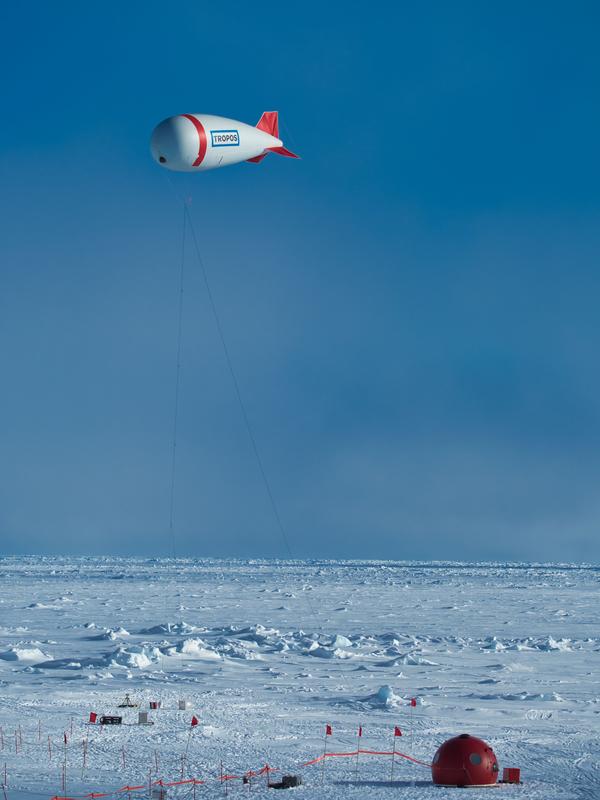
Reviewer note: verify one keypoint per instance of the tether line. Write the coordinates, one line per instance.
(238, 393)
(242, 405)
(177, 382)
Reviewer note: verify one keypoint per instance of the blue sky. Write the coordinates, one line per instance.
(412, 309)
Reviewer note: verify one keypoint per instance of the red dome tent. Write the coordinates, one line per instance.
(464, 761)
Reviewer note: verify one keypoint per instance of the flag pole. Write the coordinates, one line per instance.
(187, 747)
(412, 734)
(327, 729)
(393, 756)
(222, 781)
(357, 752)
(65, 765)
(189, 739)
(413, 704)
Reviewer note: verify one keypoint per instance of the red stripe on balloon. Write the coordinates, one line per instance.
(202, 143)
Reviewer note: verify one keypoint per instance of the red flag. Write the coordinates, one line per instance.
(360, 730)
(194, 721)
(397, 731)
(413, 701)
(93, 717)
(328, 731)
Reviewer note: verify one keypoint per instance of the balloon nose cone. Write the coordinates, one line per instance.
(174, 144)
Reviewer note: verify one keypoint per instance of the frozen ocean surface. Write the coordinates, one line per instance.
(268, 652)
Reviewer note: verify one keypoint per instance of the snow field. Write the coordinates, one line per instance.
(268, 652)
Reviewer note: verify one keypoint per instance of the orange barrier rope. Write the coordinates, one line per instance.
(181, 783)
(395, 753)
(249, 774)
(94, 795)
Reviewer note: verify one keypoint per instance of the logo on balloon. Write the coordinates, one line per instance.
(225, 138)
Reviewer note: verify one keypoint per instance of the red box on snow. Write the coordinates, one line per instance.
(511, 775)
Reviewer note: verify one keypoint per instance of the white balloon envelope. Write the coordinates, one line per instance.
(197, 142)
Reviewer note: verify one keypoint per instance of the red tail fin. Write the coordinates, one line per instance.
(283, 151)
(269, 123)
